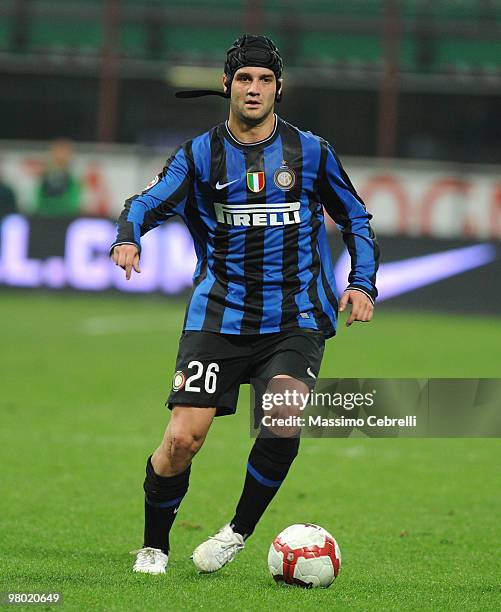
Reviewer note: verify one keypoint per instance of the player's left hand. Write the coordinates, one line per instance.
(362, 308)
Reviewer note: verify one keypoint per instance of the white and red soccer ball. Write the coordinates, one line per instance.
(305, 555)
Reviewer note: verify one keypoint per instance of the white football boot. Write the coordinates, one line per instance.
(218, 550)
(150, 561)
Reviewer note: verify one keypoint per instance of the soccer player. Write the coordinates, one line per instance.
(252, 192)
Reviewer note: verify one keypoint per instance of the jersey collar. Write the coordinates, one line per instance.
(234, 141)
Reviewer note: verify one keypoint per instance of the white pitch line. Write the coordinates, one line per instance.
(126, 324)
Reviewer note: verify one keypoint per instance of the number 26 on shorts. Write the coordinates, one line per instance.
(193, 382)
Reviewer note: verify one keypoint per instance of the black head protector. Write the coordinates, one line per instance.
(247, 50)
(253, 51)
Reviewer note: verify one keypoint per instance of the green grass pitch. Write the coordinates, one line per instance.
(83, 384)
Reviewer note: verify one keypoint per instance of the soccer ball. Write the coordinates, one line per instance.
(305, 555)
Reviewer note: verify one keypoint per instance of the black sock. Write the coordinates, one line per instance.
(269, 462)
(161, 502)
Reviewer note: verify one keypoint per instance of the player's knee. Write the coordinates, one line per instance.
(287, 397)
(185, 443)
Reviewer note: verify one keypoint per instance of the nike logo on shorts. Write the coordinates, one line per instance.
(310, 373)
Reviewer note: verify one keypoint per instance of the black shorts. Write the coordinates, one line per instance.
(210, 367)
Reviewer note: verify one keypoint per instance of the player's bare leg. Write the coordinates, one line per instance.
(269, 461)
(183, 438)
(166, 483)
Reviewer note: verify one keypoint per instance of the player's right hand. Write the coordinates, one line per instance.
(127, 257)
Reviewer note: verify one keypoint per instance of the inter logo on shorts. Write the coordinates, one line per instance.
(255, 181)
(178, 380)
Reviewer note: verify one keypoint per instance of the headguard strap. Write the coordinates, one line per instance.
(247, 50)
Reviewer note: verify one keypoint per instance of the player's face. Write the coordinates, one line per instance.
(253, 94)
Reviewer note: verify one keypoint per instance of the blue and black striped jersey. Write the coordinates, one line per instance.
(256, 215)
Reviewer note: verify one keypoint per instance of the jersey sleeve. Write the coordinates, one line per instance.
(163, 198)
(346, 208)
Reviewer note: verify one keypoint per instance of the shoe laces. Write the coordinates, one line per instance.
(228, 538)
(146, 556)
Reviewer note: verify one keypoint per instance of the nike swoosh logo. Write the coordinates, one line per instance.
(176, 509)
(310, 373)
(219, 186)
(398, 277)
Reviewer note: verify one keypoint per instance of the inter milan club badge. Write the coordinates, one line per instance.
(178, 380)
(284, 177)
(255, 181)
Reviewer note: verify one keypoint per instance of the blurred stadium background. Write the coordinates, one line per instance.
(407, 91)
(409, 94)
